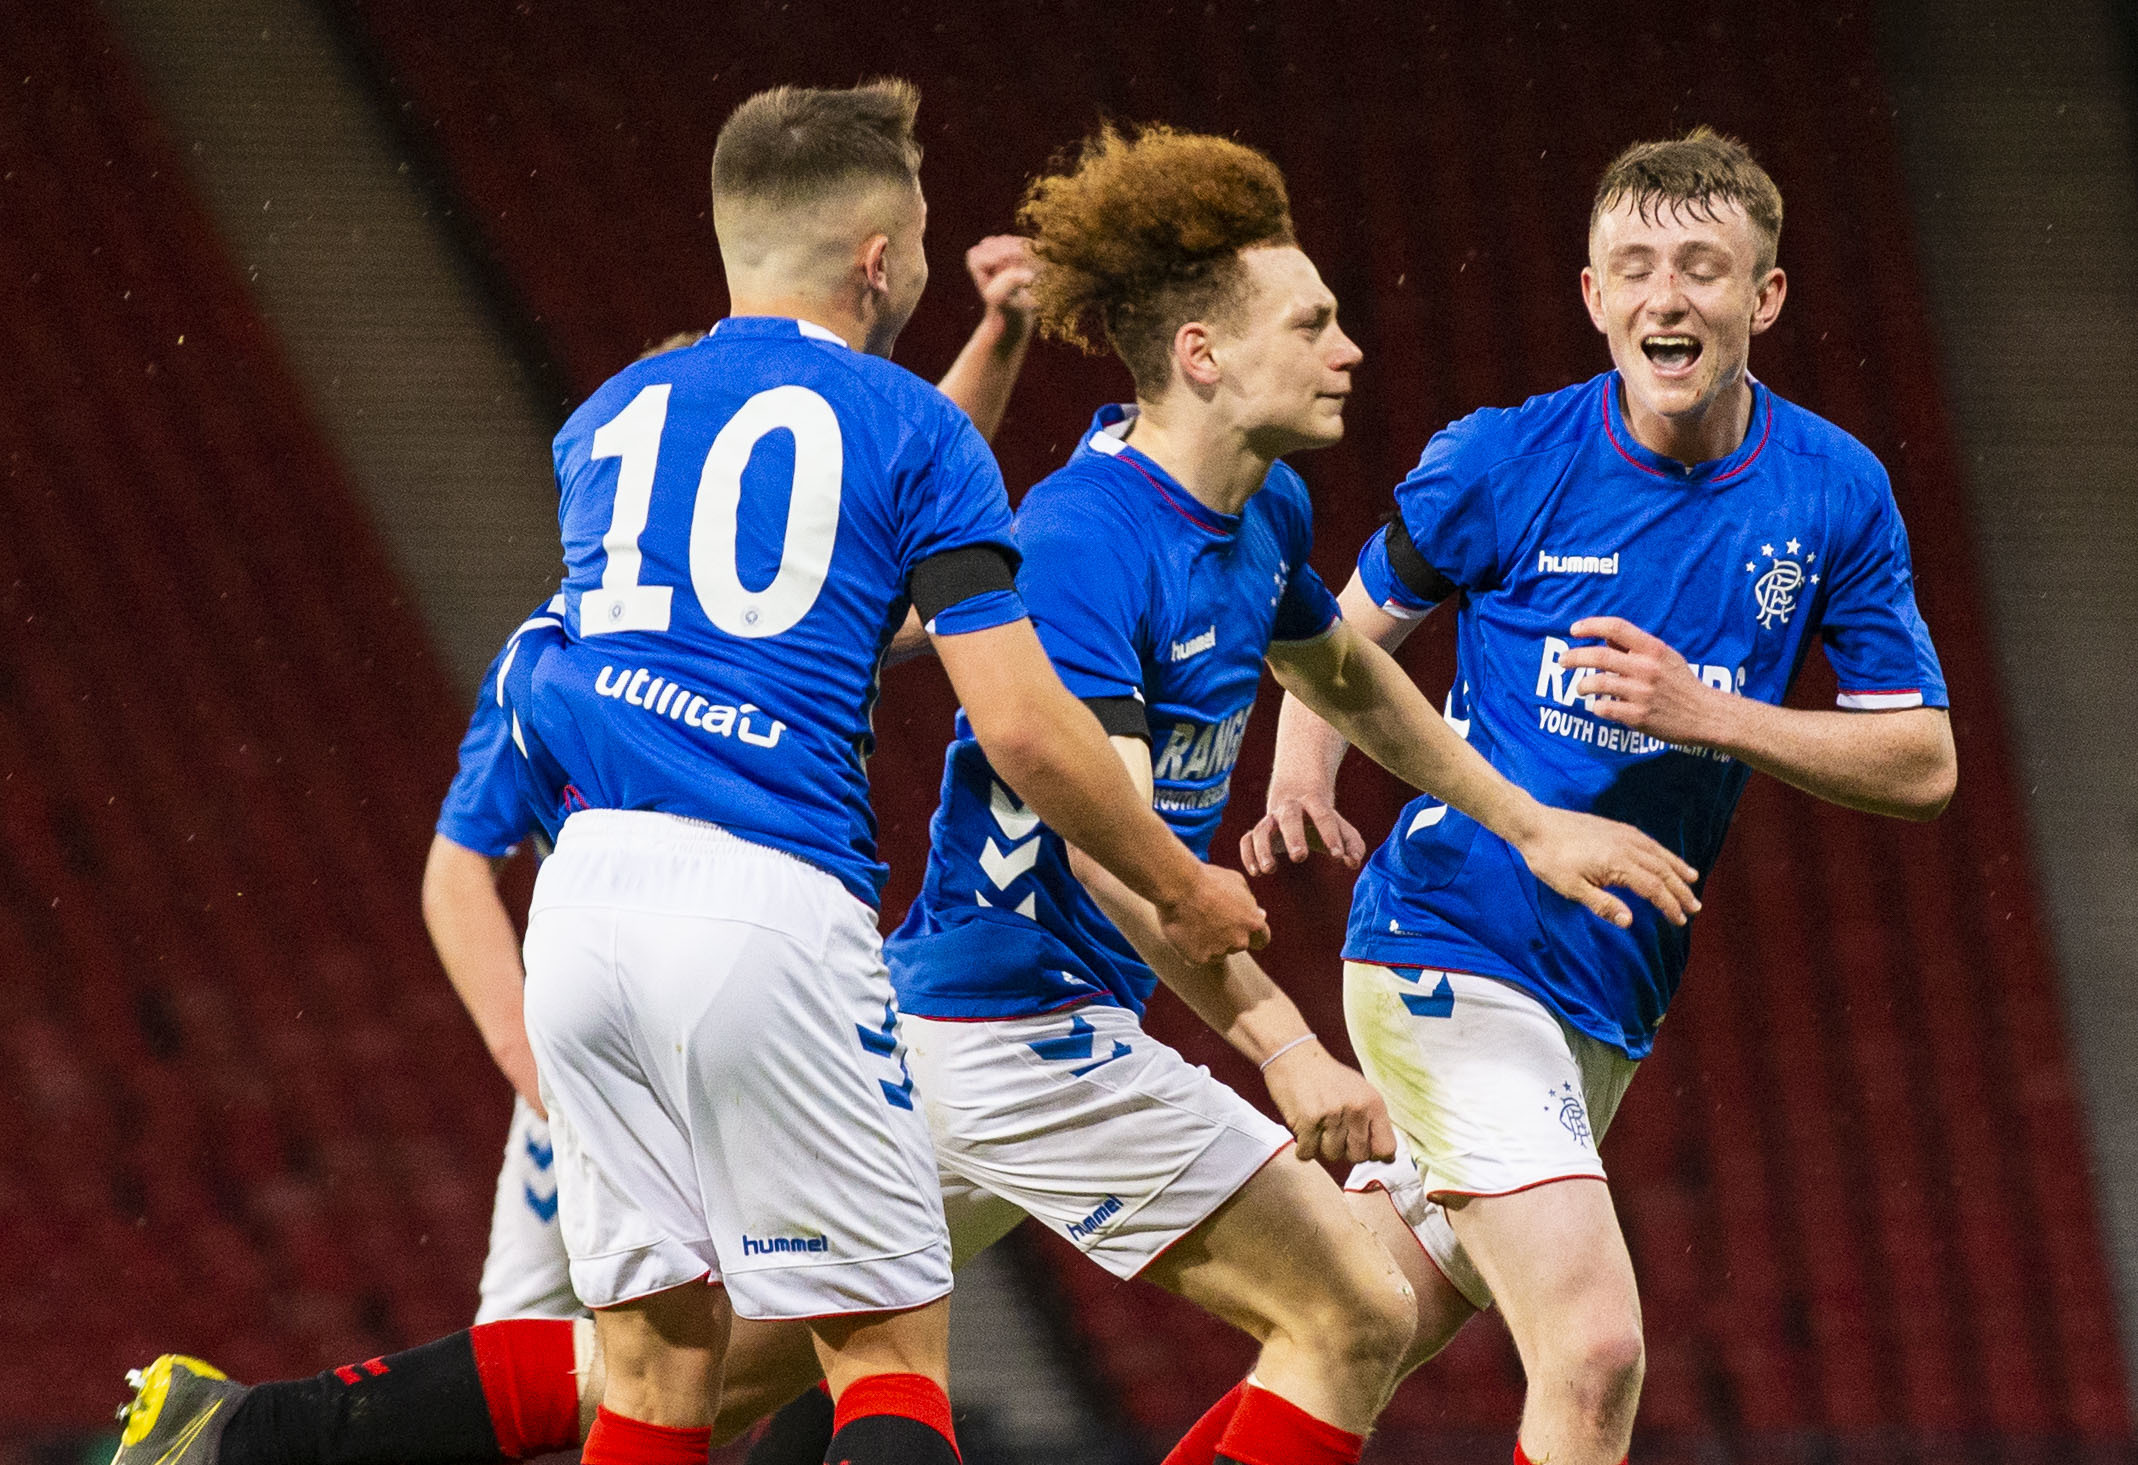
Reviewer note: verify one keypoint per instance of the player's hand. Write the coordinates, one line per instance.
(1299, 821)
(1580, 855)
(1333, 1113)
(1216, 918)
(1640, 681)
(1002, 270)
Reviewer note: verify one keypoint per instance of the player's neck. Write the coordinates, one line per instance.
(1693, 439)
(1207, 457)
(835, 316)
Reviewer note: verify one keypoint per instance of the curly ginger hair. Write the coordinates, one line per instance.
(1140, 235)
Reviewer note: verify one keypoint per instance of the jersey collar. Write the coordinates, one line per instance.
(1716, 474)
(1108, 438)
(775, 325)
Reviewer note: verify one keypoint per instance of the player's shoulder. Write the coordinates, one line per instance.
(742, 355)
(1801, 433)
(1284, 488)
(1490, 439)
(1285, 499)
(859, 378)
(1827, 461)
(916, 402)
(1090, 492)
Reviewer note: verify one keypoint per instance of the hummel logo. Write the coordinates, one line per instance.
(1576, 564)
(1195, 645)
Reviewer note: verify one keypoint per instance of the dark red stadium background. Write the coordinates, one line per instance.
(1852, 1175)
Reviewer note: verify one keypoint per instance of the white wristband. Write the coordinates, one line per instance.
(1307, 1037)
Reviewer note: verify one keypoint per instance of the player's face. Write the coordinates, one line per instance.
(904, 273)
(1286, 363)
(1680, 297)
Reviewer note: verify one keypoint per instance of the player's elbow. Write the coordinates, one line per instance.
(1934, 789)
(1930, 783)
(1018, 743)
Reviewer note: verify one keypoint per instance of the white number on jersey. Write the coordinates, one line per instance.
(634, 435)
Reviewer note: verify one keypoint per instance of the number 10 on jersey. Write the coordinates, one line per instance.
(634, 436)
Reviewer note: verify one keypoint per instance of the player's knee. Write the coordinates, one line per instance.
(1607, 1363)
(1368, 1317)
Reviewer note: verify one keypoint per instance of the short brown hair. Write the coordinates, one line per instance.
(1142, 234)
(794, 145)
(1699, 172)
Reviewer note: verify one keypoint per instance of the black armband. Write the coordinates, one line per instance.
(1418, 577)
(943, 580)
(1122, 717)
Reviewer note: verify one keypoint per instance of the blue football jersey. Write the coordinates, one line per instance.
(1138, 591)
(741, 521)
(494, 801)
(1549, 512)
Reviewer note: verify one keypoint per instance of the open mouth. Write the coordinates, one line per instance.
(1671, 354)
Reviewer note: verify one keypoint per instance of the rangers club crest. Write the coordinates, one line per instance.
(1776, 591)
(1572, 1112)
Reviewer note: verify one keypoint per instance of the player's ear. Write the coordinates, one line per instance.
(1592, 297)
(1768, 303)
(1195, 358)
(874, 259)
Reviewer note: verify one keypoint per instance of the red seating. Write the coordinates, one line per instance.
(222, 744)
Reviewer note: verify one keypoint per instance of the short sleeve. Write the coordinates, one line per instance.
(1085, 585)
(1875, 637)
(1447, 509)
(1306, 610)
(1382, 582)
(485, 809)
(955, 498)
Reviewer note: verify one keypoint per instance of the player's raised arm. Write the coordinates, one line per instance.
(1051, 750)
(1360, 691)
(985, 373)
(480, 952)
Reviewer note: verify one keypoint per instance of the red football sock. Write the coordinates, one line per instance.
(618, 1440)
(1199, 1445)
(892, 1416)
(1267, 1429)
(525, 1365)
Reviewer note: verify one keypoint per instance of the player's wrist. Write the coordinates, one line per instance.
(1720, 719)
(1176, 879)
(1298, 789)
(1305, 1042)
(1004, 330)
(1521, 821)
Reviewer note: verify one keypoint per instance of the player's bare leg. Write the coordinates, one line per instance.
(1284, 1261)
(1441, 1310)
(917, 1341)
(663, 1356)
(1557, 1265)
(769, 1364)
(889, 1375)
(1440, 1315)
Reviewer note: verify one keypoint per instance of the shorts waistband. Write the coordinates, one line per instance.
(640, 825)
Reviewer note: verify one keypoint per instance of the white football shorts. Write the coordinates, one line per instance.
(727, 1089)
(1489, 1091)
(527, 1273)
(1082, 1119)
